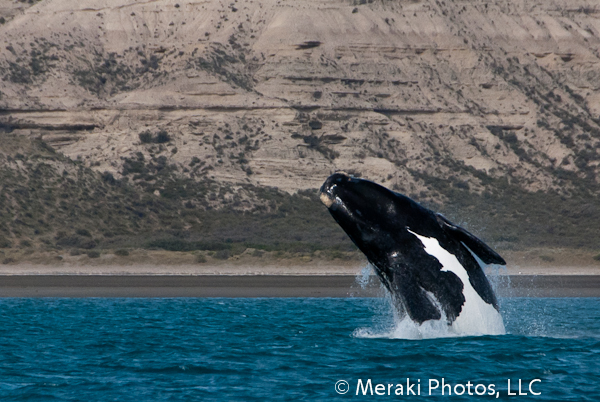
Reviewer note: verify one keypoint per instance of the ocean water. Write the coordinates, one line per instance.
(288, 349)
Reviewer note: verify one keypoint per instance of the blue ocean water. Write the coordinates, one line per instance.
(287, 349)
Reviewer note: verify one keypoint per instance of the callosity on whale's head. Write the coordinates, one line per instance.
(427, 263)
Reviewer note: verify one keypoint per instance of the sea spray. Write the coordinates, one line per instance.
(363, 278)
(498, 277)
(391, 324)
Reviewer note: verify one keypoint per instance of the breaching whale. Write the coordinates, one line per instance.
(428, 264)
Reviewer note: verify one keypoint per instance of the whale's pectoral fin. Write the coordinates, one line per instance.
(414, 298)
(478, 247)
(447, 288)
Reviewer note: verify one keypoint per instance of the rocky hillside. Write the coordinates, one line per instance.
(487, 110)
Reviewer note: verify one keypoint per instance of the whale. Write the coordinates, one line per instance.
(431, 267)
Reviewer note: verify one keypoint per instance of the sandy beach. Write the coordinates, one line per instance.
(320, 279)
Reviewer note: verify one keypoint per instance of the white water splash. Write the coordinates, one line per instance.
(405, 328)
(364, 276)
(476, 318)
(408, 329)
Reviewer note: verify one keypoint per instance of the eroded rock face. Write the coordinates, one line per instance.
(282, 93)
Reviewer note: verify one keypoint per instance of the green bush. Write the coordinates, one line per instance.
(75, 241)
(122, 252)
(184, 245)
(145, 137)
(222, 255)
(162, 137)
(83, 232)
(93, 254)
(4, 242)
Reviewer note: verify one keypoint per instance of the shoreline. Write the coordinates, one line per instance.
(160, 286)
(535, 261)
(265, 267)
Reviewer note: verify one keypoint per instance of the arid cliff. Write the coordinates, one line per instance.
(488, 106)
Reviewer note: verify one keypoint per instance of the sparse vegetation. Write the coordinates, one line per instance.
(105, 75)
(222, 255)
(85, 223)
(104, 213)
(526, 185)
(93, 254)
(320, 143)
(4, 242)
(161, 137)
(228, 62)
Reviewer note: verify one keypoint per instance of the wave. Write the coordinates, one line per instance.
(477, 319)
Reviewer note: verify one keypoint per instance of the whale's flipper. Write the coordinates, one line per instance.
(424, 291)
(418, 305)
(478, 247)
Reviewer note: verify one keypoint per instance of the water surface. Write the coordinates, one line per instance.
(284, 349)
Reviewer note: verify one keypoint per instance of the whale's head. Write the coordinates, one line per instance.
(375, 218)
